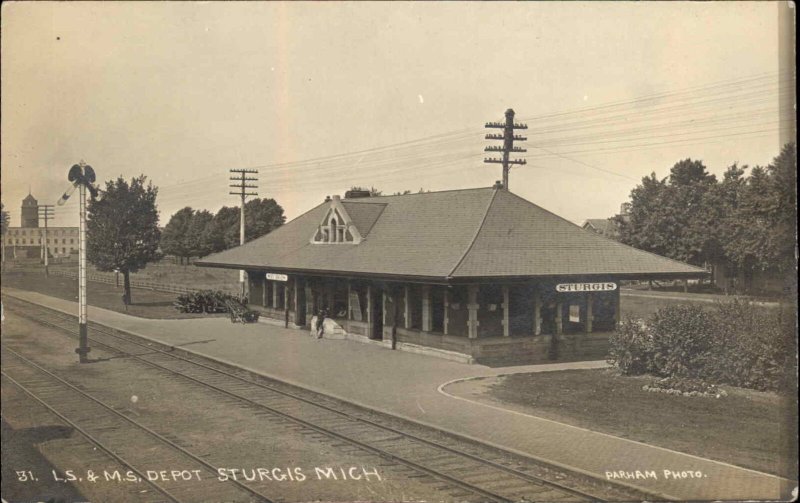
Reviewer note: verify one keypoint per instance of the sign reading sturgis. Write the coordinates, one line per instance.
(586, 287)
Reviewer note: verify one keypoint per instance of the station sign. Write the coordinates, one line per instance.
(277, 277)
(586, 287)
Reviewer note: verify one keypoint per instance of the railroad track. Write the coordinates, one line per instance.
(477, 472)
(126, 440)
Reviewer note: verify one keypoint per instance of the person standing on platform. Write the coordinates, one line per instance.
(323, 313)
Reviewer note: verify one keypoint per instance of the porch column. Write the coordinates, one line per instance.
(446, 307)
(559, 318)
(349, 307)
(426, 308)
(296, 296)
(310, 302)
(406, 309)
(383, 309)
(368, 316)
(537, 311)
(274, 294)
(264, 291)
(472, 308)
(617, 307)
(589, 314)
(286, 296)
(506, 327)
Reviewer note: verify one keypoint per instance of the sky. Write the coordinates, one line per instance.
(322, 96)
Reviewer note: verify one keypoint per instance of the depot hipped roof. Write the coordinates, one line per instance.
(450, 235)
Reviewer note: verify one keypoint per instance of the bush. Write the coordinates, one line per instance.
(205, 301)
(753, 344)
(736, 342)
(630, 348)
(682, 336)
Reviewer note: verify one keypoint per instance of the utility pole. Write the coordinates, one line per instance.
(508, 138)
(46, 212)
(242, 179)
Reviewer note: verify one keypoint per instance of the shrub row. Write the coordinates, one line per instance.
(733, 342)
(205, 301)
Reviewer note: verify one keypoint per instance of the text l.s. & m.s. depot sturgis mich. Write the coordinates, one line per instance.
(260, 474)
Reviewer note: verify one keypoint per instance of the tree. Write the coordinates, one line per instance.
(689, 182)
(764, 229)
(223, 230)
(720, 210)
(783, 181)
(372, 190)
(214, 234)
(643, 227)
(262, 216)
(375, 192)
(228, 220)
(174, 240)
(196, 244)
(747, 223)
(666, 216)
(122, 228)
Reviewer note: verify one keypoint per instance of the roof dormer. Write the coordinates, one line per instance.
(336, 226)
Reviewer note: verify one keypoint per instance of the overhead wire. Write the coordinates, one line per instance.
(458, 135)
(438, 150)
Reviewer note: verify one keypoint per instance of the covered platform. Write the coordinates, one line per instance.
(479, 272)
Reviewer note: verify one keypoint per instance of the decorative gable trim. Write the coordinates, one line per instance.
(336, 226)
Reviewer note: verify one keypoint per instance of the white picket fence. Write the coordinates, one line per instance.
(110, 279)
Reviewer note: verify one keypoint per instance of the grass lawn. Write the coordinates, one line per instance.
(146, 303)
(189, 275)
(184, 275)
(746, 428)
(643, 307)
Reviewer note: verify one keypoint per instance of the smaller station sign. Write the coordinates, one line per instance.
(277, 277)
(586, 287)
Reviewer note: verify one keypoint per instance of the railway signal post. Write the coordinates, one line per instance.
(82, 176)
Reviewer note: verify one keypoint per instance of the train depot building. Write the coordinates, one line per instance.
(473, 275)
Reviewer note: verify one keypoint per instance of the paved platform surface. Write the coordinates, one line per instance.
(408, 385)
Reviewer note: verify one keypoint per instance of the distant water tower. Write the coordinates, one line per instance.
(30, 212)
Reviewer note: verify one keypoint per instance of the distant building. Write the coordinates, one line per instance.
(27, 241)
(607, 227)
(30, 212)
(603, 226)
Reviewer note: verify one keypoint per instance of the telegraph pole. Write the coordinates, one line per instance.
(46, 212)
(243, 185)
(508, 147)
